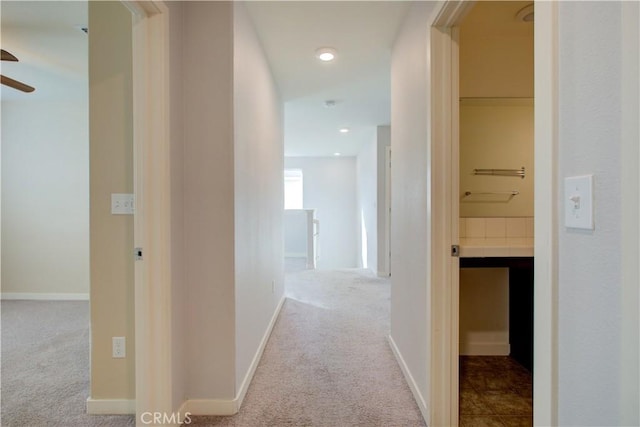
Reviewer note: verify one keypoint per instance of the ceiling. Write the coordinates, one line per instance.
(358, 80)
(46, 38)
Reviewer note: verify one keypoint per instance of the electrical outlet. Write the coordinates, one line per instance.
(118, 347)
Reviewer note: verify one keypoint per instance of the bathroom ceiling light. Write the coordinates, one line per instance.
(526, 14)
(326, 54)
(344, 130)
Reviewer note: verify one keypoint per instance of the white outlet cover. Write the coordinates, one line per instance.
(122, 204)
(578, 202)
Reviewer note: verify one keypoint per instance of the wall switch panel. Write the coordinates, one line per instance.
(118, 347)
(122, 204)
(578, 202)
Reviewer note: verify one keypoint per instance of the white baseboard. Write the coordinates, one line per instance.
(43, 297)
(409, 378)
(256, 358)
(383, 274)
(210, 407)
(484, 349)
(232, 406)
(111, 406)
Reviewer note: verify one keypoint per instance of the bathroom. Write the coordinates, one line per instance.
(496, 214)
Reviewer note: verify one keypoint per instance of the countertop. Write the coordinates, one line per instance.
(496, 247)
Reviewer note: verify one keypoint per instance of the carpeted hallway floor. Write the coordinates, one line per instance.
(327, 363)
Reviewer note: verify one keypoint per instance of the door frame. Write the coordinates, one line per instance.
(444, 353)
(152, 218)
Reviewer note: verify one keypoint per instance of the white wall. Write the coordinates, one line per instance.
(367, 210)
(295, 233)
(45, 197)
(592, 366)
(259, 193)
(410, 252)
(383, 136)
(330, 188)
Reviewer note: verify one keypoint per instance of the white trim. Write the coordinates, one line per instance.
(36, 296)
(545, 370)
(111, 406)
(242, 392)
(152, 221)
(485, 348)
(225, 407)
(219, 407)
(409, 378)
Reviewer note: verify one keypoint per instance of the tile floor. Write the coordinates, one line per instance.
(495, 391)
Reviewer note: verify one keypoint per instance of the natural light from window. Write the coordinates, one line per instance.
(292, 189)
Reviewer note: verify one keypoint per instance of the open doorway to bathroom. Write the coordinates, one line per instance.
(496, 175)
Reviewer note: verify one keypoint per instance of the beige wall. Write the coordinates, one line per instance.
(496, 130)
(484, 311)
(496, 133)
(259, 192)
(496, 61)
(178, 281)
(111, 171)
(207, 99)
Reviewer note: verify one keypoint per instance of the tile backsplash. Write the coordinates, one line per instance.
(496, 227)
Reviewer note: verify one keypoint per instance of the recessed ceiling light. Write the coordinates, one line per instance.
(326, 54)
(336, 154)
(344, 130)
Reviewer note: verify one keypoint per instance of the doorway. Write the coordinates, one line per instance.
(496, 213)
(444, 52)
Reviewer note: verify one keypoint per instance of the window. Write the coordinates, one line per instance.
(292, 189)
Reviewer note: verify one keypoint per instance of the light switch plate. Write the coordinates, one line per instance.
(578, 202)
(122, 204)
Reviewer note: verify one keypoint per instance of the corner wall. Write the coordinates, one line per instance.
(411, 206)
(111, 171)
(207, 99)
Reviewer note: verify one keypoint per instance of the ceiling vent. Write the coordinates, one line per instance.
(526, 14)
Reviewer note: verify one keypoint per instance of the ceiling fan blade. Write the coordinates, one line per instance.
(16, 84)
(6, 56)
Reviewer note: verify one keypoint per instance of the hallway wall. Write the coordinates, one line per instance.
(410, 228)
(598, 107)
(259, 194)
(330, 188)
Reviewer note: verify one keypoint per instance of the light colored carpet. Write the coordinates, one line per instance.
(45, 366)
(328, 362)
